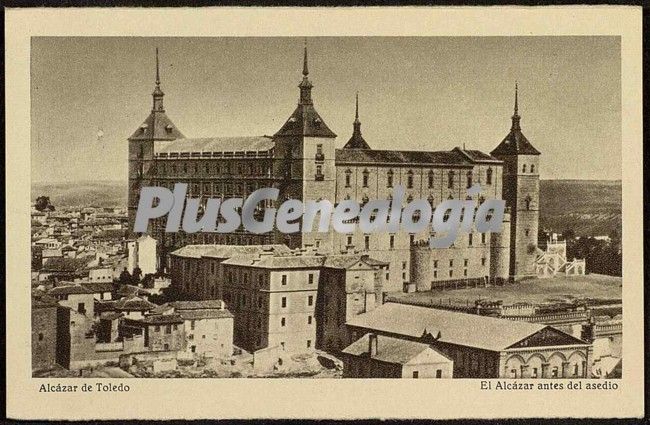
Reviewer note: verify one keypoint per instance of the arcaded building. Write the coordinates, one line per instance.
(305, 161)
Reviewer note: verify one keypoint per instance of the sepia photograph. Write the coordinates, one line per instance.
(385, 221)
(435, 115)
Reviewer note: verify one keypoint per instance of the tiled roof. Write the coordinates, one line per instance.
(225, 251)
(305, 121)
(69, 289)
(470, 330)
(345, 261)
(42, 300)
(125, 304)
(277, 262)
(64, 264)
(196, 305)
(216, 144)
(392, 350)
(157, 126)
(369, 156)
(515, 143)
(204, 314)
(97, 287)
(162, 319)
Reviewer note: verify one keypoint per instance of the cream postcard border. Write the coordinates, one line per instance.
(314, 398)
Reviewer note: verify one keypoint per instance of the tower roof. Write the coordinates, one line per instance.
(305, 121)
(515, 143)
(356, 141)
(157, 126)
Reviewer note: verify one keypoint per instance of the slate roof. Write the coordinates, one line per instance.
(157, 126)
(515, 143)
(305, 121)
(217, 144)
(488, 333)
(371, 156)
(226, 251)
(392, 350)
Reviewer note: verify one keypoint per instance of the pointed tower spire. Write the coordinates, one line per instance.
(356, 114)
(356, 141)
(305, 68)
(305, 85)
(157, 69)
(157, 92)
(515, 117)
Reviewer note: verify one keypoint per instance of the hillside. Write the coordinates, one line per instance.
(589, 207)
(95, 193)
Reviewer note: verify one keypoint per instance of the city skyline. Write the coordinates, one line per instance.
(80, 103)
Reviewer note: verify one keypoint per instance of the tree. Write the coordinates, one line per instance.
(136, 276)
(43, 204)
(125, 277)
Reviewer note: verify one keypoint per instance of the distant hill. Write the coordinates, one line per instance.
(589, 207)
(95, 193)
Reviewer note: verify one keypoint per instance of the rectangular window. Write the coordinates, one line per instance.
(283, 322)
(349, 240)
(435, 274)
(482, 261)
(439, 373)
(482, 237)
(284, 279)
(471, 239)
(284, 302)
(392, 241)
(310, 300)
(309, 343)
(365, 180)
(465, 262)
(311, 278)
(451, 273)
(347, 180)
(415, 374)
(309, 320)
(465, 272)
(451, 263)
(192, 324)
(168, 329)
(435, 264)
(367, 242)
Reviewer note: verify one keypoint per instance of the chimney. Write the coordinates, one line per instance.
(372, 345)
(222, 305)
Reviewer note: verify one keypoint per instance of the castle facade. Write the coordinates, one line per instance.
(303, 160)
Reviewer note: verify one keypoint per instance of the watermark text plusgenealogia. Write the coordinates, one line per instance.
(292, 216)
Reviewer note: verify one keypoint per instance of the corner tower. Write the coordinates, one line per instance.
(156, 127)
(521, 193)
(304, 160)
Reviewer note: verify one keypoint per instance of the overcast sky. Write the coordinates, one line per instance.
(430, 93)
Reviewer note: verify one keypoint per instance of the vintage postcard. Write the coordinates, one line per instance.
(324, 213)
